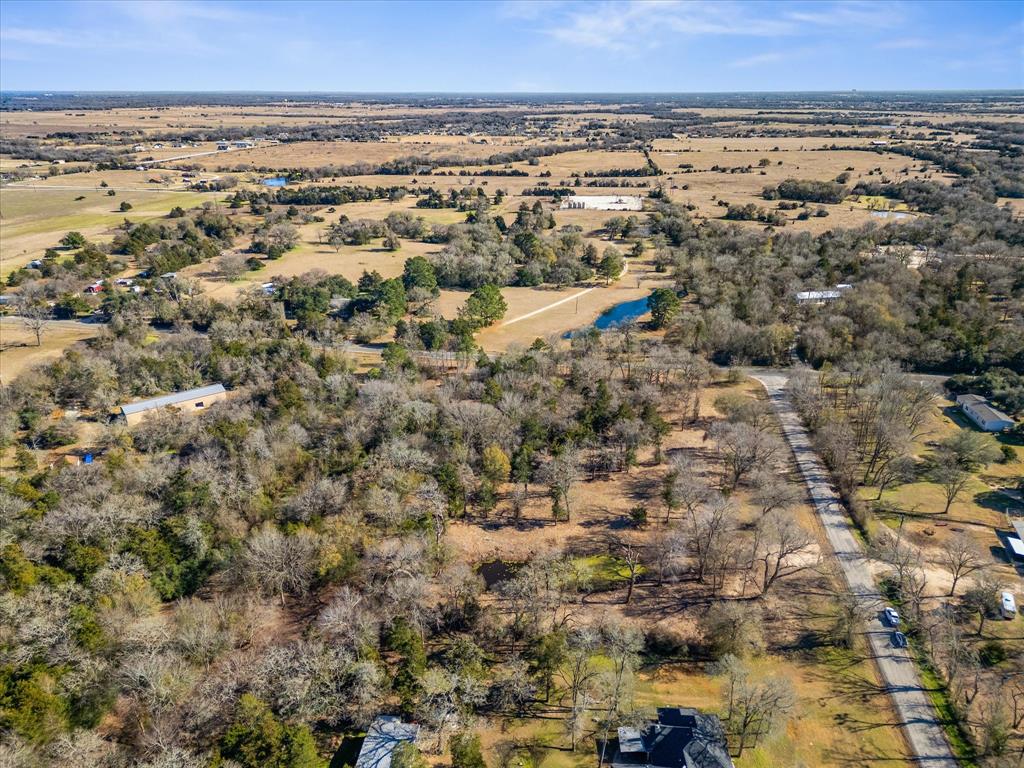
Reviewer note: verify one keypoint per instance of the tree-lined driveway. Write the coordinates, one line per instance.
(919, 720)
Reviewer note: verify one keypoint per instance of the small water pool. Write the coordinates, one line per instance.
(621, 313)
(617, 315)
(890, 215)
(277, 181)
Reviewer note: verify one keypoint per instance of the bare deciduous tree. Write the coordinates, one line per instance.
(35, 316)
(560, 473)
(961, 557)
(743, 449)
(951, 477)
(710, 536)
(277, 564)
(782, 549)
(754, 708)
(734, 628)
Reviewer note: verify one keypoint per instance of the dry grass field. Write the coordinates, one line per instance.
(980, 511)
(18, 350)
(34, 219)
(312, 154)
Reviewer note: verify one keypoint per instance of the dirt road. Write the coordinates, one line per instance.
(919, 720)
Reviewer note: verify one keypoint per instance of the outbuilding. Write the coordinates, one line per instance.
(189, 401)
(603, 203)
(385, 733)
(981, 412)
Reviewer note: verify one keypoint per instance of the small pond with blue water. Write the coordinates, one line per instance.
(621, 313)
(277, 181)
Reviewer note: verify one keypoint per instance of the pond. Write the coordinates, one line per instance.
(890, 215)
(617, 315)
(621, 313)
(277, 181)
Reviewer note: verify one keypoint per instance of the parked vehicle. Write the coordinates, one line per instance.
(899, 640)
(892, 618)
(1008, 606)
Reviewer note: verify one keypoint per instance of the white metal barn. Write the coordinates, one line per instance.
(604, 202)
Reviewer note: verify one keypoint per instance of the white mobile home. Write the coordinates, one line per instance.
(978, 410)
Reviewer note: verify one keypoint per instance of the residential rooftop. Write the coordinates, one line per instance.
(178, 397)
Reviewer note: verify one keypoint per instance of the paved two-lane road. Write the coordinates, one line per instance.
(919, 720)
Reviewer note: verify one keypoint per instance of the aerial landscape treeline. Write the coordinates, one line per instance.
(414, 501)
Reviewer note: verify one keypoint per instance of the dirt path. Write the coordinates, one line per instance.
(552, 305)
(920, 722)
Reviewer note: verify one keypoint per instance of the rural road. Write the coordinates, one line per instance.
(918, 718)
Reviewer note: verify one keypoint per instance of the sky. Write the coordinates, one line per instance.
(516, 46)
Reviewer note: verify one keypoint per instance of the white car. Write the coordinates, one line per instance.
(891, 617)
(1008, 606)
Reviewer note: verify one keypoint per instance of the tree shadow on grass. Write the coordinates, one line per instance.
(860, 756)
(996, 501)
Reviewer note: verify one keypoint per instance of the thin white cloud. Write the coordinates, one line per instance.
(852, 13)
(636, 24)
(29, 36)
(177, 26)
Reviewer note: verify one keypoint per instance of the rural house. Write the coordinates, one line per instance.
(189, 401)
(978, 410)
(822, 297)
(385, 733)
(680, 738)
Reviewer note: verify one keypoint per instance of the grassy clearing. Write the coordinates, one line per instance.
(35, 219)
(18, 351)
(877, 203)
(606, 571)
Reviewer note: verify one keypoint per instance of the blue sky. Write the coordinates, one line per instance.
(617, 46)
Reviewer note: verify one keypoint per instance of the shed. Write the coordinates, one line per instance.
(981, 412)
(188, 401)
(1016, 548)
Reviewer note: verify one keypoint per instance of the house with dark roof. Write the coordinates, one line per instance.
(681, 737)
(978, 410)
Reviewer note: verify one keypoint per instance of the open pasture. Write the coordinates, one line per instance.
(312, 154)
(34, 219)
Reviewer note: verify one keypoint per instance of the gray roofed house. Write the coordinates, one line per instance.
(382, 737)
(823, 296)
(681, 737)
(978, 410)
(187, 401)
